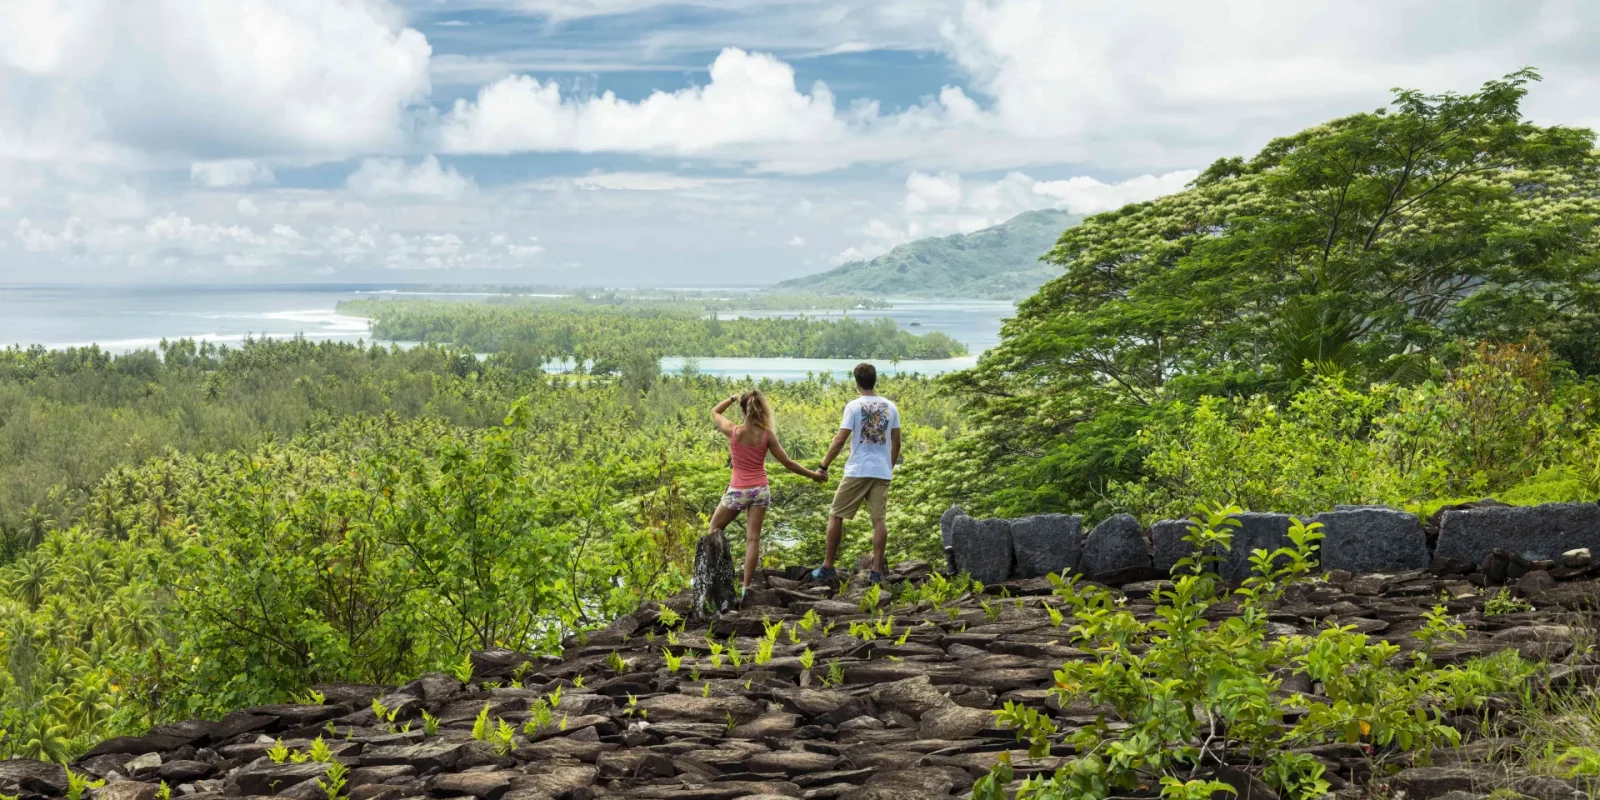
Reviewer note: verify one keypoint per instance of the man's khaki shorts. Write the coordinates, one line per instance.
(852, 492)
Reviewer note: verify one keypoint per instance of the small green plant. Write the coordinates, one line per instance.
(764, 651)
(615, 663)
(732, 723)
(164, 792)
(992, 611)
(869, 600)
(503, 740)
(673, 662)
(78, 783)
(863, 631)
(747, 683)
(430, 724)
(884, 626)
(735, 657)
(312, 697)
(555, 694)
(794, 634)
(1056, 617)
(481, 727)
(1439, 628)
(1502, 602)
(828, 628)
(672, 638)
(904, 635)
(577, 682)
(670, 617)
(542, 717)
(278, 752)
(705, 689)
(463, 669)
(1579, 762)
(835, 676)
(716, 652)
(807, 659)
(320, 752)
(694, 674)
(333, 780)
(810, 620)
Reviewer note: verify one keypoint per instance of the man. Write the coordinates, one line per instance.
(871, 425)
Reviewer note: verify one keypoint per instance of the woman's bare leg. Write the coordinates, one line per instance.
(721, 517)
(752, 541)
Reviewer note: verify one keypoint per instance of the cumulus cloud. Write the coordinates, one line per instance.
(381, 177)
(942, 204)
(751, 98)
(223, 77)
(229, 172)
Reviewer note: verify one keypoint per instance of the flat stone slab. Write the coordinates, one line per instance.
(1044, 544)
(1372, 539)
(982, 548)
(1115, 544)
(1538, 533)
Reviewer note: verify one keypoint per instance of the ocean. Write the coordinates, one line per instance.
(127, 318)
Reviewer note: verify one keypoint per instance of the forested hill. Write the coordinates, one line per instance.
(998, 262)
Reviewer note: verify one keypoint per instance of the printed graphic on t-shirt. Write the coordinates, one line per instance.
(874, 423)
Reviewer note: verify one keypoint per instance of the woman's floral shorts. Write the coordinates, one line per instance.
(753, 497)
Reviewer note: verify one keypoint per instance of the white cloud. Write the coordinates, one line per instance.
(246, 207)
(797, 241)
(229, 78)
(751, 98)
(939, 205)
(229, 172)
(1085, 195)
(924, 192)
(635, 182)
(380, 177)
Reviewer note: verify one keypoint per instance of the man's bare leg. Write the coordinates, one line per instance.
(835, 533)
(880, 541)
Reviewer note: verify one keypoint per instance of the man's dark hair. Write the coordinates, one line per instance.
(866, 375)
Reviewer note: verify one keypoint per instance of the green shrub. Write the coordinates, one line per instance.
(1189, 691)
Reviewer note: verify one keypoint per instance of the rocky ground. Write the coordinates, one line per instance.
(909, 716)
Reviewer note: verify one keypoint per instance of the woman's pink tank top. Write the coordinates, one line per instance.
(749, 463)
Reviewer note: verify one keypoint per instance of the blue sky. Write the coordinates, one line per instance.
(635, 142)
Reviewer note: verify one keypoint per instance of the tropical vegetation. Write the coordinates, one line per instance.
(602, 336)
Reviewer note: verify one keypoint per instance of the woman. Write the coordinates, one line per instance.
(748, 445)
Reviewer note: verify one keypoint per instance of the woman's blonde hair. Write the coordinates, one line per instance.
(757, 411)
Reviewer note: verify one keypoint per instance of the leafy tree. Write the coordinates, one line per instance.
(1361, 247)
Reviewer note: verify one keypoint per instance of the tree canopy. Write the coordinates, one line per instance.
(1371, 247)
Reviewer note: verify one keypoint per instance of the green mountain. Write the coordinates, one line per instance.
(1001, 262)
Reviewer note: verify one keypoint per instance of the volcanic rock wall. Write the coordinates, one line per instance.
(1502, 542)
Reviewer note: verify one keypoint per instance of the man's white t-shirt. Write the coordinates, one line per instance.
(869, 420)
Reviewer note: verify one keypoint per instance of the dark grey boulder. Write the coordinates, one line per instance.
(1535, 533)
(947, 522)
(26, 776)
(1044, 544)
(1167, 544)
(1256, 531)
(982, 548)
(1116, 544)
(1371, 539)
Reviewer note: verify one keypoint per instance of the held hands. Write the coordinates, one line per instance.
(821, 474)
